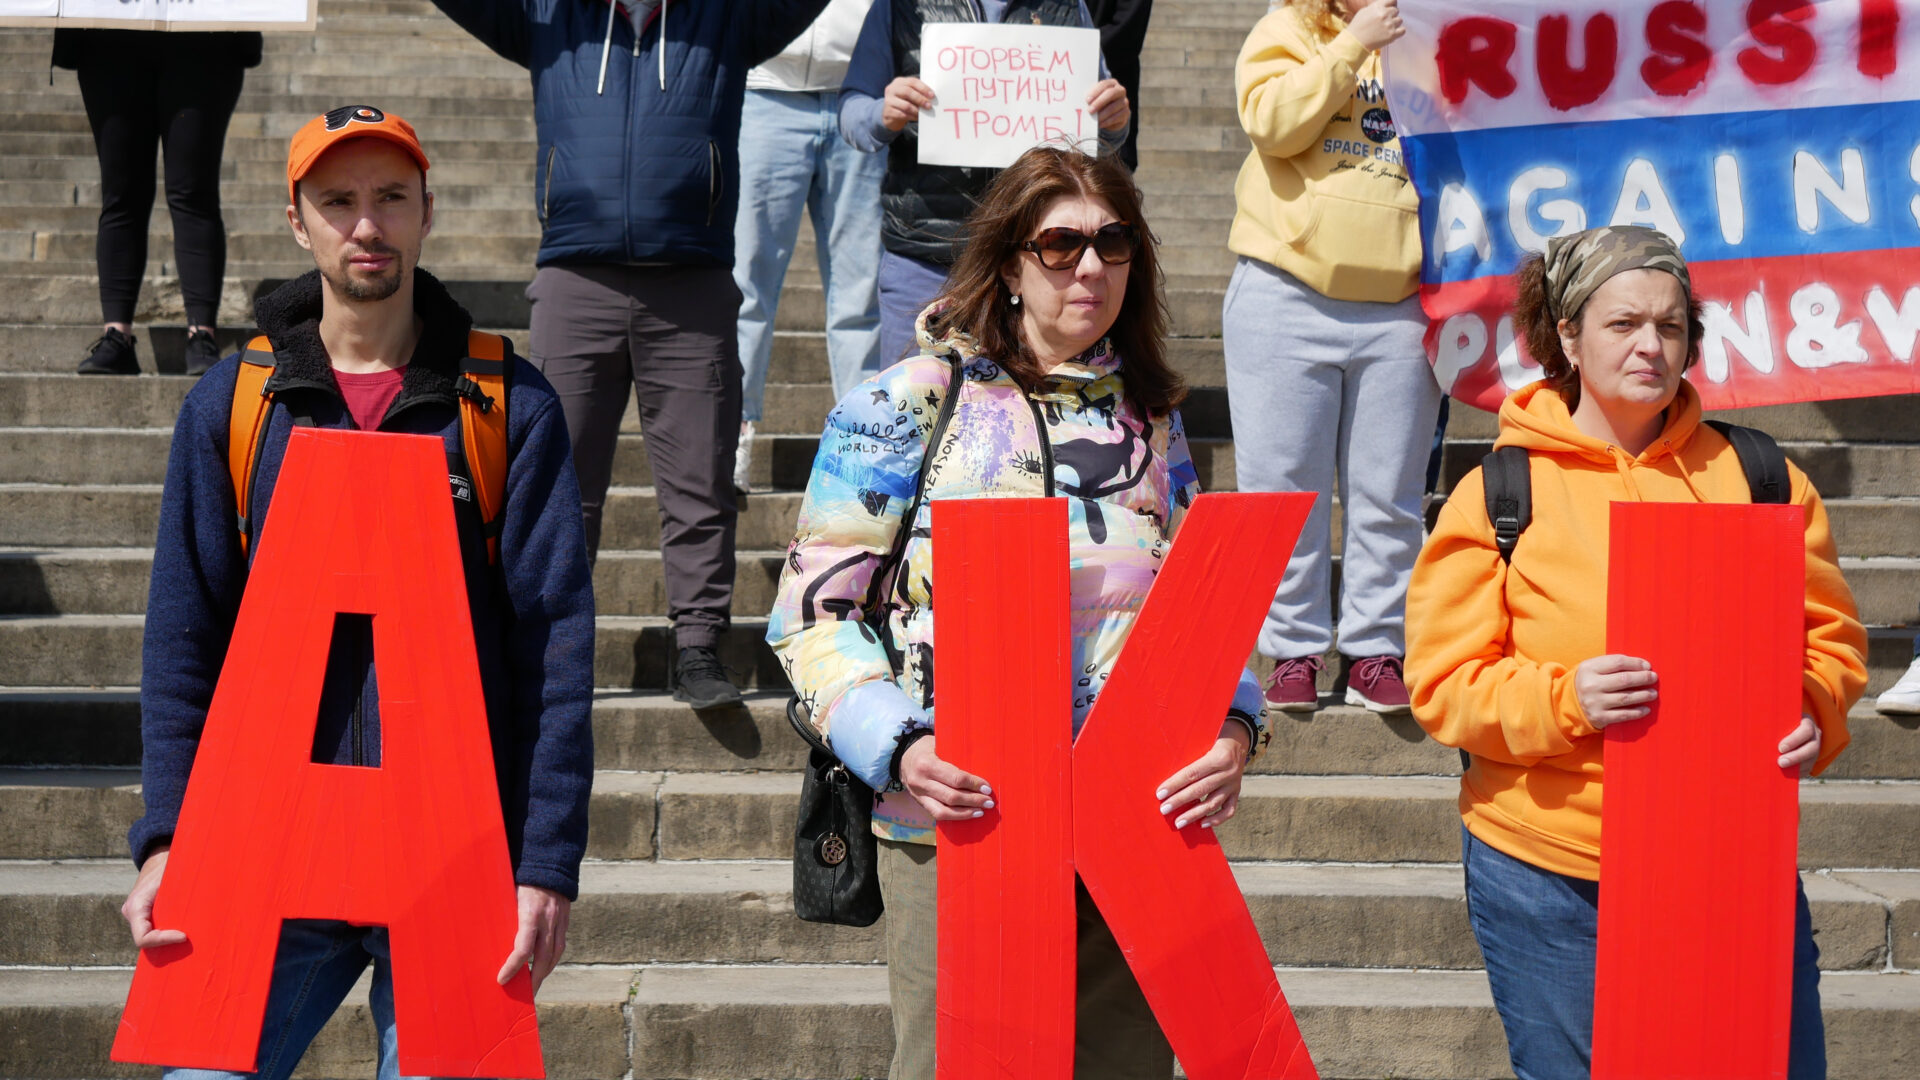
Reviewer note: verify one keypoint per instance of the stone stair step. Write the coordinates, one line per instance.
(742, 912)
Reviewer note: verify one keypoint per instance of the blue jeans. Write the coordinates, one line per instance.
(318, 961)
(907, 286)
(793, 160)
(1537, 931)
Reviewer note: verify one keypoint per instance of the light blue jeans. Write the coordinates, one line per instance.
(793, 160)
(1539, 931)
(317, 962)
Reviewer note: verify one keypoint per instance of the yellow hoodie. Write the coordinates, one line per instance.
(1491, 648)
(1325, 194)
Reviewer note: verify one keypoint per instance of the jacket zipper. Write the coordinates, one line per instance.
(714, 165)
(1046, 444)
(546, 187)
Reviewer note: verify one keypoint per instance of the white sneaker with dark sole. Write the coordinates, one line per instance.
(1903, 698)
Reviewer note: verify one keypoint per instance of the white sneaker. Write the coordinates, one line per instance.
(743, 459)
(1904, 697)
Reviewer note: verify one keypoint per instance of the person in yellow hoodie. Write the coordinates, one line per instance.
(1508, 662)
(1326, 370)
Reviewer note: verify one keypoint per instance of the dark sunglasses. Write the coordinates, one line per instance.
(1060, 249)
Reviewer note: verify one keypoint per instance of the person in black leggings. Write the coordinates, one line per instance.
(146, 89)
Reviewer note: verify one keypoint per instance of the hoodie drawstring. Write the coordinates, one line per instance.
(606, 49)
(1685, 476)
(1624, 466)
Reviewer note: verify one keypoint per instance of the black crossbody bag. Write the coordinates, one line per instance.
(836, 869)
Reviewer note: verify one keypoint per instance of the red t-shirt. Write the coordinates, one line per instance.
(369, 395)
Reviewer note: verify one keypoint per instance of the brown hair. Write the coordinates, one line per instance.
(1533, 317)
(1321, 16)
(976, 302)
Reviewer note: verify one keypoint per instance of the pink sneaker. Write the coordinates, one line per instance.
(1291, 686)
(1375, 682)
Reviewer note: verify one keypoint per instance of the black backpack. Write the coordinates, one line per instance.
(1509, 484)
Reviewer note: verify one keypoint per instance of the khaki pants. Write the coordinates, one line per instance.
(1116, 1037)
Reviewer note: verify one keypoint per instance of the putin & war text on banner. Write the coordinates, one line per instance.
(1777, 141)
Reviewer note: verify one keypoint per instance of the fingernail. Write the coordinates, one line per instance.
(1161, 794)
(1181, 824)
(989, 804)
(979, 813)
(1166, 808)
(1206, 824)
(986, 789)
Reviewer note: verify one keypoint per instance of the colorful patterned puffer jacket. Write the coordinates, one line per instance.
(1129, 478)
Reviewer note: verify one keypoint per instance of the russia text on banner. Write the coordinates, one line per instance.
(1001, 89)
(1774, 140)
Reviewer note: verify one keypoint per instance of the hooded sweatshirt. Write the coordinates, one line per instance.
(1325, 194)
(1492, 648)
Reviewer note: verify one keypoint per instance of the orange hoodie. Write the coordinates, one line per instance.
(1491, 648)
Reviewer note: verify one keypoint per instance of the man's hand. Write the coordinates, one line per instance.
(948, 793)
(1109, 105)
(906, 96)
(542, 937)
(1378, 24)
(138, 910)
(1802, 747)
(1208, 791)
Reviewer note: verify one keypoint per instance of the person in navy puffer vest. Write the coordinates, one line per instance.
(637, 105)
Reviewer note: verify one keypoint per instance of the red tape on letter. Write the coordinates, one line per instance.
(360, 522)
(1694, 970)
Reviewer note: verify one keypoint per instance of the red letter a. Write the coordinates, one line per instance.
(360, 523)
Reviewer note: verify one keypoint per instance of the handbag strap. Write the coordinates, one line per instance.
(805, 729)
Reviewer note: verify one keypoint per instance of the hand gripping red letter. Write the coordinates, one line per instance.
(360, 523)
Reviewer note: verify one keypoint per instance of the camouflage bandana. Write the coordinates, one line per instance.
(1578, 265)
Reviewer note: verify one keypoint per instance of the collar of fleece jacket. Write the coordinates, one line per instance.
(290, 317)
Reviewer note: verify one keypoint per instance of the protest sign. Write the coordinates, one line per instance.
(1006, 937)
(1694, 964)
(163, 14)
(360, 526)
(1773, 140)
(1001, 89)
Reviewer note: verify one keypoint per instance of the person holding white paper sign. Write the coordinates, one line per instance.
(1507, 625)
(924, 207)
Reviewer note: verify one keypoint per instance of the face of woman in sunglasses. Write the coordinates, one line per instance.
(1065, 312)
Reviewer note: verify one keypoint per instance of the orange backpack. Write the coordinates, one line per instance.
(483, 428)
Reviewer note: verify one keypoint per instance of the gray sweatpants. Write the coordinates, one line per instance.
(668, 332)
(1333, 395)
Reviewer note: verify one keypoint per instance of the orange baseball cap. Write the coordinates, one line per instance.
(319, 135)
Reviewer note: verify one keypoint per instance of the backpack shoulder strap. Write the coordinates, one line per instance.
(483, 428)
(247, 427)
(1508, 481)
(1765, 463)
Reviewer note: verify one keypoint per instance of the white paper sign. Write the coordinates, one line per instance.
(163, 14)
(999, 90)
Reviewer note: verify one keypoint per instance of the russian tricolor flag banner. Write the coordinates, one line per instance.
(1778, 141)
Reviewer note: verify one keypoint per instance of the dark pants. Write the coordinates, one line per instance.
(669, 332)
(1538, 930)
(137, 101)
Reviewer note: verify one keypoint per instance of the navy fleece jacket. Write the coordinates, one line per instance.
(532, 614)
(645, 168)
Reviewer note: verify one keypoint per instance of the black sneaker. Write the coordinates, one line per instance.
(700, 681)
(111, 354)
(202, 351)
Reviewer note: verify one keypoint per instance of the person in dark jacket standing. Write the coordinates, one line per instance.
(144, 90)
(1123, 34)
(924, 208)
(637, 105)
(367, 341)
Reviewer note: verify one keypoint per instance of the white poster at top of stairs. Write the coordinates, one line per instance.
(163, 14)
(1001, 89)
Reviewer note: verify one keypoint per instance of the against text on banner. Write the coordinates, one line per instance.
(1000, 90)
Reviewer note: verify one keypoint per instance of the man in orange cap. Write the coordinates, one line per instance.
(369, 341)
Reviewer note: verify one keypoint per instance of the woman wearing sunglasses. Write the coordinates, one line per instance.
(1326, 370)
(1042, 374)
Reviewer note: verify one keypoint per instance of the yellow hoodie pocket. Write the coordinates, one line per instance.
(1369, 250)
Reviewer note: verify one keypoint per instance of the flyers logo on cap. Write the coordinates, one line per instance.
(353, 114)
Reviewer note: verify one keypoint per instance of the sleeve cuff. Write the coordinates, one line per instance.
(1250, 708)
(549, 878)
(866, 723)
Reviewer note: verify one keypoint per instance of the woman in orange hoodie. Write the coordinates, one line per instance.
(1507, 661)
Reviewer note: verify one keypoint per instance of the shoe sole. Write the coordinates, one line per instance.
(1898, 708)
(1355, 697)
(1295, 706)
(707, 703)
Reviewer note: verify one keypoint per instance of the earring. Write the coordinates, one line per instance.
(1016, 299)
